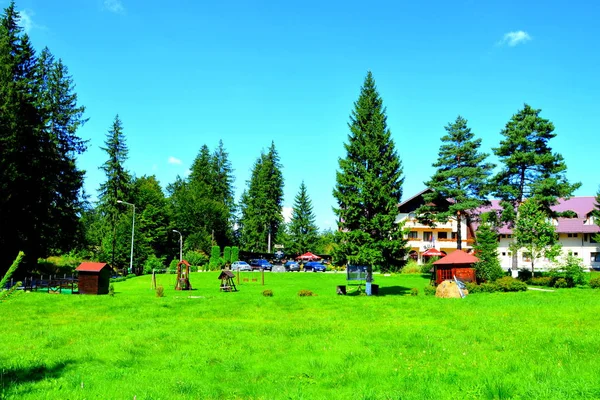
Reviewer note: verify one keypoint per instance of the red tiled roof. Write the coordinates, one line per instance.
(91, 266)
(457, 257)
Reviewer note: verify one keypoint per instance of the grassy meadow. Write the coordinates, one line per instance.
(204, 344)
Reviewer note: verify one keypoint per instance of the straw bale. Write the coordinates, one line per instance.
(449, 289)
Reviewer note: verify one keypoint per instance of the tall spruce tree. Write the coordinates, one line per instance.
(488, 268)
(460, 183)
(261, 204)
(303, 232)
(40, 185)
(115, 218)
(369, 187)
(529, 167)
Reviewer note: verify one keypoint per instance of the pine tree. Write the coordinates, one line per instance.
(596, 214)
(302, 228)
(368, 188)
(460, 181)
(530, 169)
(261, 203)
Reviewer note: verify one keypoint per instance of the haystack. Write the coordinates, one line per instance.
(449, 289)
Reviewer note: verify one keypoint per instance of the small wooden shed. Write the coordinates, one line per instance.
(459, 264)
(227, 284)
(94, 277)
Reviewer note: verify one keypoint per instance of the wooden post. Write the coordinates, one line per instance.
(262, 276)
(238, 275)
(153, 283)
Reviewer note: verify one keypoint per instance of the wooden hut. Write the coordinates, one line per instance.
(94, 277)
(459, 264)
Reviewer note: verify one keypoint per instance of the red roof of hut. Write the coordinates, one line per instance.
(91, 266)
(457, 257)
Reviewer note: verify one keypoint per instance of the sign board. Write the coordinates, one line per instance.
(279, 254)
(358, 273)
(278, 246)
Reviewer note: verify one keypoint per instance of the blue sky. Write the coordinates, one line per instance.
(183, 73)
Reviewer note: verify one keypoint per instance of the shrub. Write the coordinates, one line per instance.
(595, 282)
(305, 293)
(411, 267)
(540, 281)
(160, 291)
(571, 270)
(414, 291)
(235, 254)
(227, 254)
(510, 284)
(267, 293)
(561, 283)
(489, 287)
(524, 274)
(153, 262)
(429, 290)
(130, 276)
(426, 268)
(119, 279)
(196, 258)
(472, 287)
(111, 290)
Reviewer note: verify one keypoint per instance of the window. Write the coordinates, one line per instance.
(576, 254)
(506, 236)
(442, 235)
(595, 257)
(428, 236)
(503, 254)
(571, 235)
(413, 235)
(593, 239)
(454, 235)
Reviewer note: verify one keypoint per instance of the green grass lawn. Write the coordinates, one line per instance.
(243, 345)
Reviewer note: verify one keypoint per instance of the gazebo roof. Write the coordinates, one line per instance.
(308, 256)
(91, 266)
(457, 257)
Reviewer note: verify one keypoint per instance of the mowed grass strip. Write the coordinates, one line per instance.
(205, 344)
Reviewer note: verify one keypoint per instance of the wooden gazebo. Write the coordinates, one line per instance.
(94, 277)
(456, 264)
(227, 284)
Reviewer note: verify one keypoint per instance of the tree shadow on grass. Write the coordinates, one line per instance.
(393, 291)
(383, 291)
(35, 373)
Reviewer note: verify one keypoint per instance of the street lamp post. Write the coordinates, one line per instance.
(132, 233)
(180, 244)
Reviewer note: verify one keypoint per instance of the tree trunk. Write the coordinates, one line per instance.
(515, 260)
(458, 231)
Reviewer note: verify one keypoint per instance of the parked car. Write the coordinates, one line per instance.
(314, 266)
(292, 266)
(261, 264)
(241, 266)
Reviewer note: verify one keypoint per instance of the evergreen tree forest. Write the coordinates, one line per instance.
(44, 210)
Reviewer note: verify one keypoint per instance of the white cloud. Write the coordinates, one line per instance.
(114, 6)
(173, 160)
(514, 38)
(287, 214)
(27, 22)
(154, 167)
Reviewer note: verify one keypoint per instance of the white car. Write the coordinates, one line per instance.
(241, 266)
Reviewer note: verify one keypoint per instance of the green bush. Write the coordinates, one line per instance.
(489, 287)
(153, 262)
(429, 290)
(426, 268)
(414, 291)
(267, 293)
(227, 254)
(540, 281)
(472, 287)
(160, 291)
(130, 276)
(411, 267)
(119, 279)
(510, 284)
(197, 258)
(595, 283)
(524, 274)
(111, 290)
(305, 293)
(561, 283)
(571, 270)
(235, 254)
